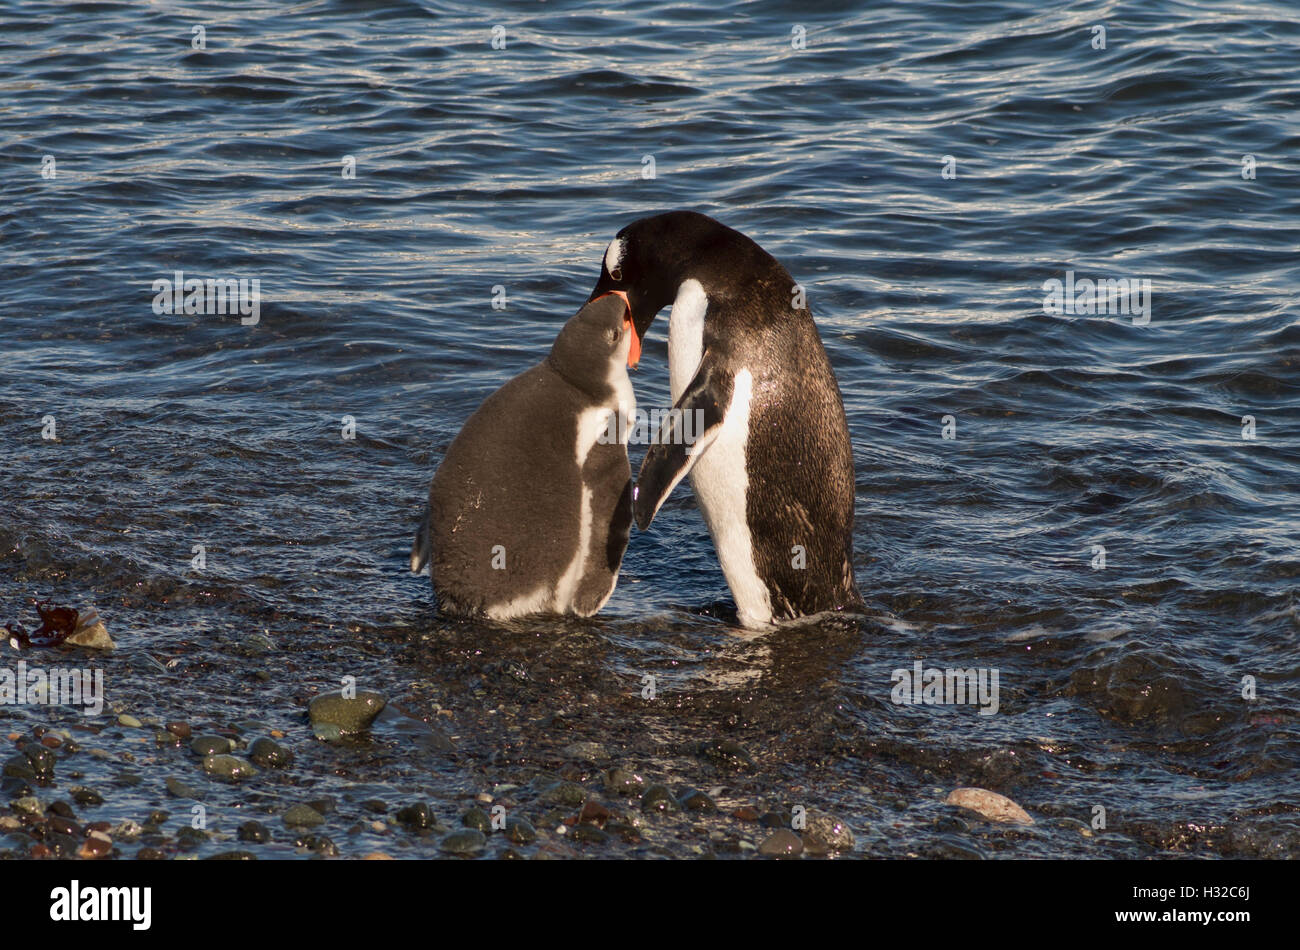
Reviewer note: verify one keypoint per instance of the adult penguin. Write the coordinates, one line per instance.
(760, 428)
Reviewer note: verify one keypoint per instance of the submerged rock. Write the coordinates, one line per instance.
(28, 805)
(622, 782)
(727, 754)
(823, 832)
(180, 790)
(589, 834)
(333, 714)
(19, 767)
(520, 831)
(303, 816)
(468, 841)
(564, 793)
(211, 745)
(91, 632)
(229, 768)
(991, 805)
(478, 819)
(692, 799)
(589, 752)
(782, 843)
(416, 815)
(255, 832)
(268, 753)
(657, 798)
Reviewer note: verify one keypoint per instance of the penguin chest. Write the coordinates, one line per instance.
(603, 425)
(720, 479)
(685, 336)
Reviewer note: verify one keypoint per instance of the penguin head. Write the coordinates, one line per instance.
(597, 345)
(650, 258)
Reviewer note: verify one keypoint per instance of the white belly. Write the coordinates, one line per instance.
(719, 478)
(722, 488)
(685, 336)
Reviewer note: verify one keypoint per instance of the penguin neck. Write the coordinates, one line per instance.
(604, 390)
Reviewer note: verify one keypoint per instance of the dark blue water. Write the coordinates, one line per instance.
(1121, 686)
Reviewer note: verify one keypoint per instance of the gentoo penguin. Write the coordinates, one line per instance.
(772, 467)
(531, 508)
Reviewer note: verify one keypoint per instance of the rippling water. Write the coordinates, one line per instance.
(1168, 156)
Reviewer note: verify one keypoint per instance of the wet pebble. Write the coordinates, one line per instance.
(622, 782)
(28, 805)
(85, 796)
(831, 833)
(333, 713)
(657, 798)
(477, 819)
(416, 815)
(589, 752)
(727, 754)
(96, 845)
(228, 768)
(593, 812)
(129, 721)
(127, 830)
(782, 843)
(211, 745)
(19, 767)
(254, 832)
(268, 753)
(588, 834)
(325, 804)
(520, 831)
(42, 761)
(624, 830)
(64, 826)
(181, 730)
(91, 632)
(189, 837)
(303, 816)
(991, 805)
(468, 841)
(63, 846)
(318, 844)
(564, 793)
(692, 799)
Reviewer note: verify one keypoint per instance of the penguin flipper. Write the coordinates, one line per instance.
(421, 549)
(688, 431)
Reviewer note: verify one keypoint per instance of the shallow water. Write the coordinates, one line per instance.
(1119, 687)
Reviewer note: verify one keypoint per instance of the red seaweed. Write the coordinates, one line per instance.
(57, 624)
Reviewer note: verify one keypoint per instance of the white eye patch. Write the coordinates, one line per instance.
(614, 255)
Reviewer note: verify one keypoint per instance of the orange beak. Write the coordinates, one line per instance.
(634, 351)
